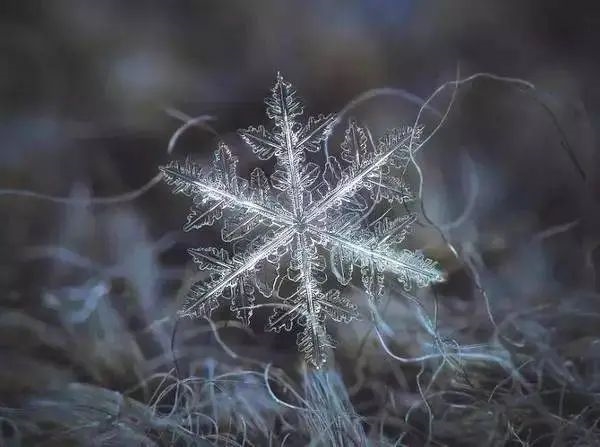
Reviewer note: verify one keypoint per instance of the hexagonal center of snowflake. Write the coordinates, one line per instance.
(300, 225)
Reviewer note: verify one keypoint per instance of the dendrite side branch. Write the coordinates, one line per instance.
(326, 123)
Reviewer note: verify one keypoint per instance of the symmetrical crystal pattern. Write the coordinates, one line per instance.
(287, 231)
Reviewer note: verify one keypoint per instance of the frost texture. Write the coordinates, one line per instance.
(281, 227)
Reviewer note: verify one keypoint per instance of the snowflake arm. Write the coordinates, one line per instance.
(251, 204)
(313, 340)
(410, 267)
(283, 107)
(310, 305)
(227, 273)
(288, 141)
(223, 190)
(365, 170)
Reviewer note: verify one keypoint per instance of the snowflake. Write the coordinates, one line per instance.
(280, 228)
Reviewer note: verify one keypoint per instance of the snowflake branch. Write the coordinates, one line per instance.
(251, 260)
(292, 163)
(183, 181)
(428, 273)
(345, 188)
(313, 340)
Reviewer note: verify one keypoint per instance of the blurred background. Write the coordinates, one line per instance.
(90, 94)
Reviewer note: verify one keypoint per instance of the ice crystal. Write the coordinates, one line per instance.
(279, 228)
